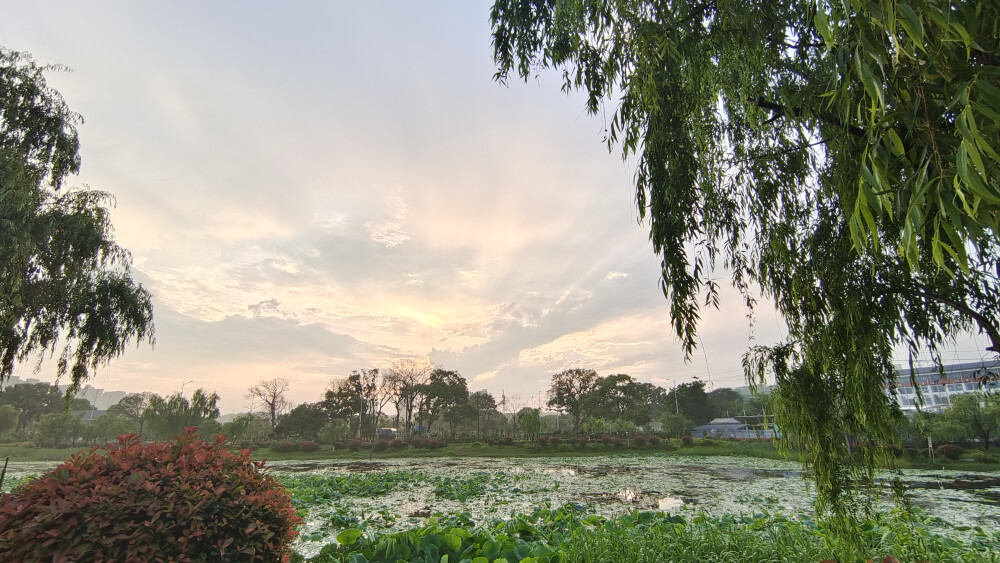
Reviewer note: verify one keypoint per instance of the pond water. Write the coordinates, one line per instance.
(615, 485)
(609, 485)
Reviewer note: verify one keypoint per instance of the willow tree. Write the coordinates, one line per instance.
(841, 158)
(64, 282)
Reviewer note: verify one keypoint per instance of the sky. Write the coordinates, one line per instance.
(312, 188)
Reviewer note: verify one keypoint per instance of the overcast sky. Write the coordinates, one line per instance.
(311, 188)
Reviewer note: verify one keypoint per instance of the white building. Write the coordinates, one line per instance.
(937, 391)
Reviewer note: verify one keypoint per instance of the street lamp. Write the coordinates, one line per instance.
(182, 386)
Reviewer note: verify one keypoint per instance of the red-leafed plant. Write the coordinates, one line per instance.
(182, 500)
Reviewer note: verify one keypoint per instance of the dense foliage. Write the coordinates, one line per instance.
(181, 500)
(569, 534)
(65, 282)
(841, 157)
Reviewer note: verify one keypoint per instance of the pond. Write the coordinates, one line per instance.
(395, 494)
(487, 489)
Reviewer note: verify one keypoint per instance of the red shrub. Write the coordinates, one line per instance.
(687, 440)
(285, 447)
(355, 444)
(417, 442)
(309, 446)
(166, 501)
(508, 441)
(617, 442)
(397, 444)
(639, 440)
(950, 451)
(605, 439)
(382, 445)
(555, 440)
(543, 441)
(654, 440)
(583, 441)
(433, 443)
(572, 440)
(491, 441)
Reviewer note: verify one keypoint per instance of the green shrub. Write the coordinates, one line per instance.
(181, 500)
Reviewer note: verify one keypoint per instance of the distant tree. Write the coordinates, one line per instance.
(133, 408)
(354, 398)
(57, 426)
(676, 425)
(32, 400)
(594, 426)
(459, 416)
(726, 402)
(304, 421)
(444, 390)
(693, 401)
(247, 426)
(408, 378)
(976, 414)
(8, 419)
(106, 429)
(567, 390)
(64, 281)
(486, 406)
(271, 392)
(530, 423)
(615, 397)
(334, 431)
(168, 417)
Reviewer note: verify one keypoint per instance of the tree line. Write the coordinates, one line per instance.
(420, 399)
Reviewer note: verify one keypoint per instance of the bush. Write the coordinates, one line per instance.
(285, 447)
(354, 445)
(508, 441)
(163, 501)
(382, 445)
(654, 440)
(572, 440)
(434, 443)
(950, 451)
(397, 444)
(262, 444)
(309, 446)
(639, 440)
(605, 439)
(687, 440)
(246, 445)
(582, 442)
(555, 440)
(617, 442)
(491, 441)
(543, 441)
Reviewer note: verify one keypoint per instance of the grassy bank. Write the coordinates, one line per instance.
(757, 449)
